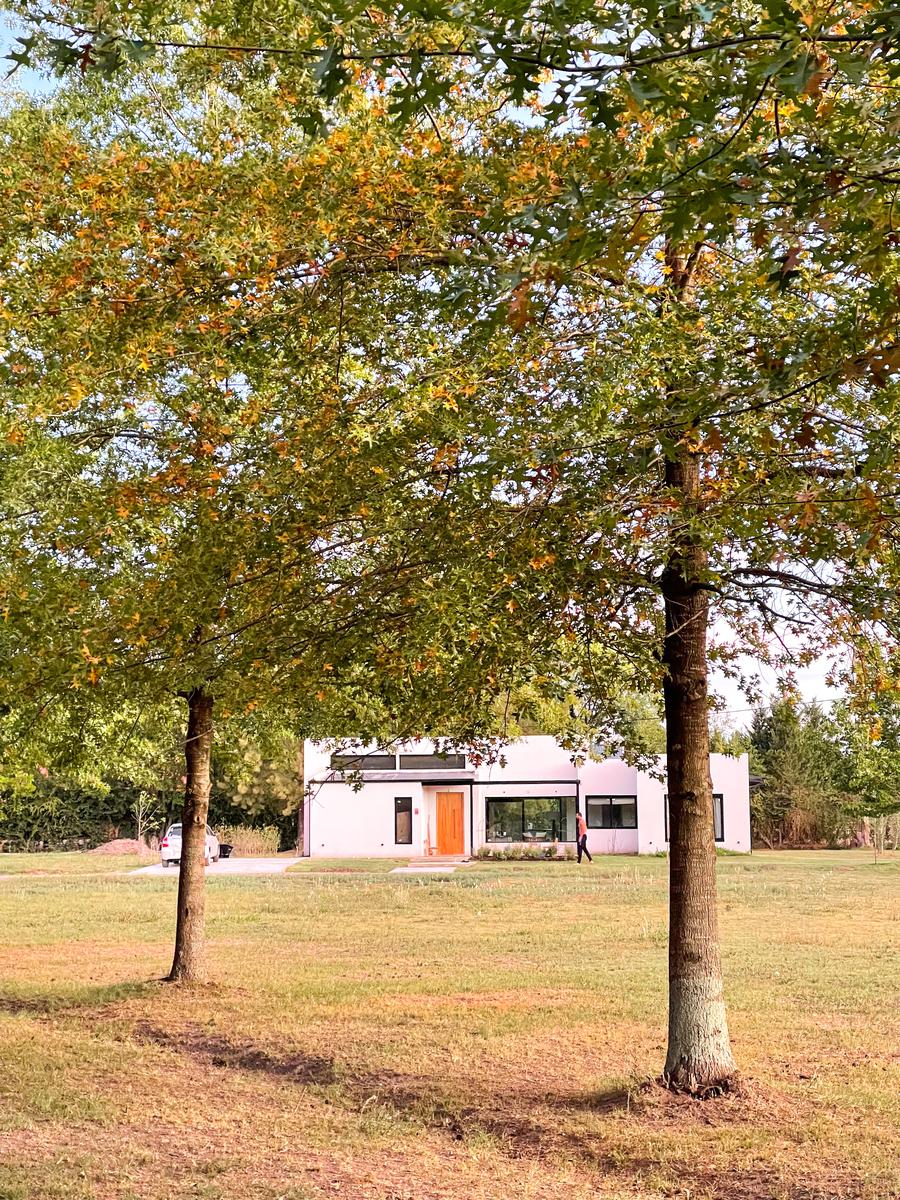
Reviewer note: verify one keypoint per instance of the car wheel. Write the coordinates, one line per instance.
(166, 862)
(215, 858)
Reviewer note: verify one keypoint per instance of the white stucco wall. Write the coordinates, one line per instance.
(612, 777)
(651, 818)
(531, 758)
(347, 824)
(730, 777)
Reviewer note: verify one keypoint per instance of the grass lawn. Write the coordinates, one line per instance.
(79, 863)
(487, 1034)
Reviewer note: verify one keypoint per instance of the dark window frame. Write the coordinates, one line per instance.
(616, 798)
(363, 762)
(560, 823)
(405, 800)
(432, 762)
(718, 807)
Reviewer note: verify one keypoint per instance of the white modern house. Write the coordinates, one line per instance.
(414, 802)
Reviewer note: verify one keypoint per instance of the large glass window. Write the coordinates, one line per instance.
(542, 819)
(432, 762)
(504, 820)
(611, 812)
(527, 819)
(363, 762)
(403, 820)
(718, 816)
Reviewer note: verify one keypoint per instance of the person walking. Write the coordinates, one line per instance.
(581, 825)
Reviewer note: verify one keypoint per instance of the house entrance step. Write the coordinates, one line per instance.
(441, 864)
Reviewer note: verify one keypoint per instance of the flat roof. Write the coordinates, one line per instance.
(451, 776)
(338, 776)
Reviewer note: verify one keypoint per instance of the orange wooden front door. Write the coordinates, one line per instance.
(450, 829)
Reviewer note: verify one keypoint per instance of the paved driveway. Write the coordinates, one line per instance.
(229, 866)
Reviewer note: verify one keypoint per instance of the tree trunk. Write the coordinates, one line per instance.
(189, 963)
(699, 1058)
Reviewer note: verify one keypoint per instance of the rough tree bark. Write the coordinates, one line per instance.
(699, 1058)
(189, 963)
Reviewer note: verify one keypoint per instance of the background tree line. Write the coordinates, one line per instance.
(820, 777)
(76, 809)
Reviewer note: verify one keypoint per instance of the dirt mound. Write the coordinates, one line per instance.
(124, 846)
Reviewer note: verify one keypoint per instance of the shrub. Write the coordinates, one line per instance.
(519, 852)
(248, 841)
(58, 815)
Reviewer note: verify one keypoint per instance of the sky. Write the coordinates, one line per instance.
(811, 683)
(23, 79)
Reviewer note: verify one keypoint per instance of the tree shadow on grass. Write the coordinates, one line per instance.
(520, 1126)
(609, 1100)
(231, 1054)
(44, 1002)
(505, 1119)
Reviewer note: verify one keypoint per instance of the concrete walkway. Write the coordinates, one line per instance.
(229, 866)
(434, 864)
